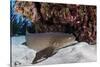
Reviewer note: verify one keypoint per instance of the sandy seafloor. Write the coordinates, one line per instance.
(78, 53)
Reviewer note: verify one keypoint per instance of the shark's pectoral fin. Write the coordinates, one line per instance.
(43, 54)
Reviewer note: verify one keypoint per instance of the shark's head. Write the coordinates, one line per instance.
(69, 40)
(63, 40)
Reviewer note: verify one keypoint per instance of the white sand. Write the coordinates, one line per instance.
(21, 55)
(81, 52)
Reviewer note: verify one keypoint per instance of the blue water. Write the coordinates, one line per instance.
(18, 19)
